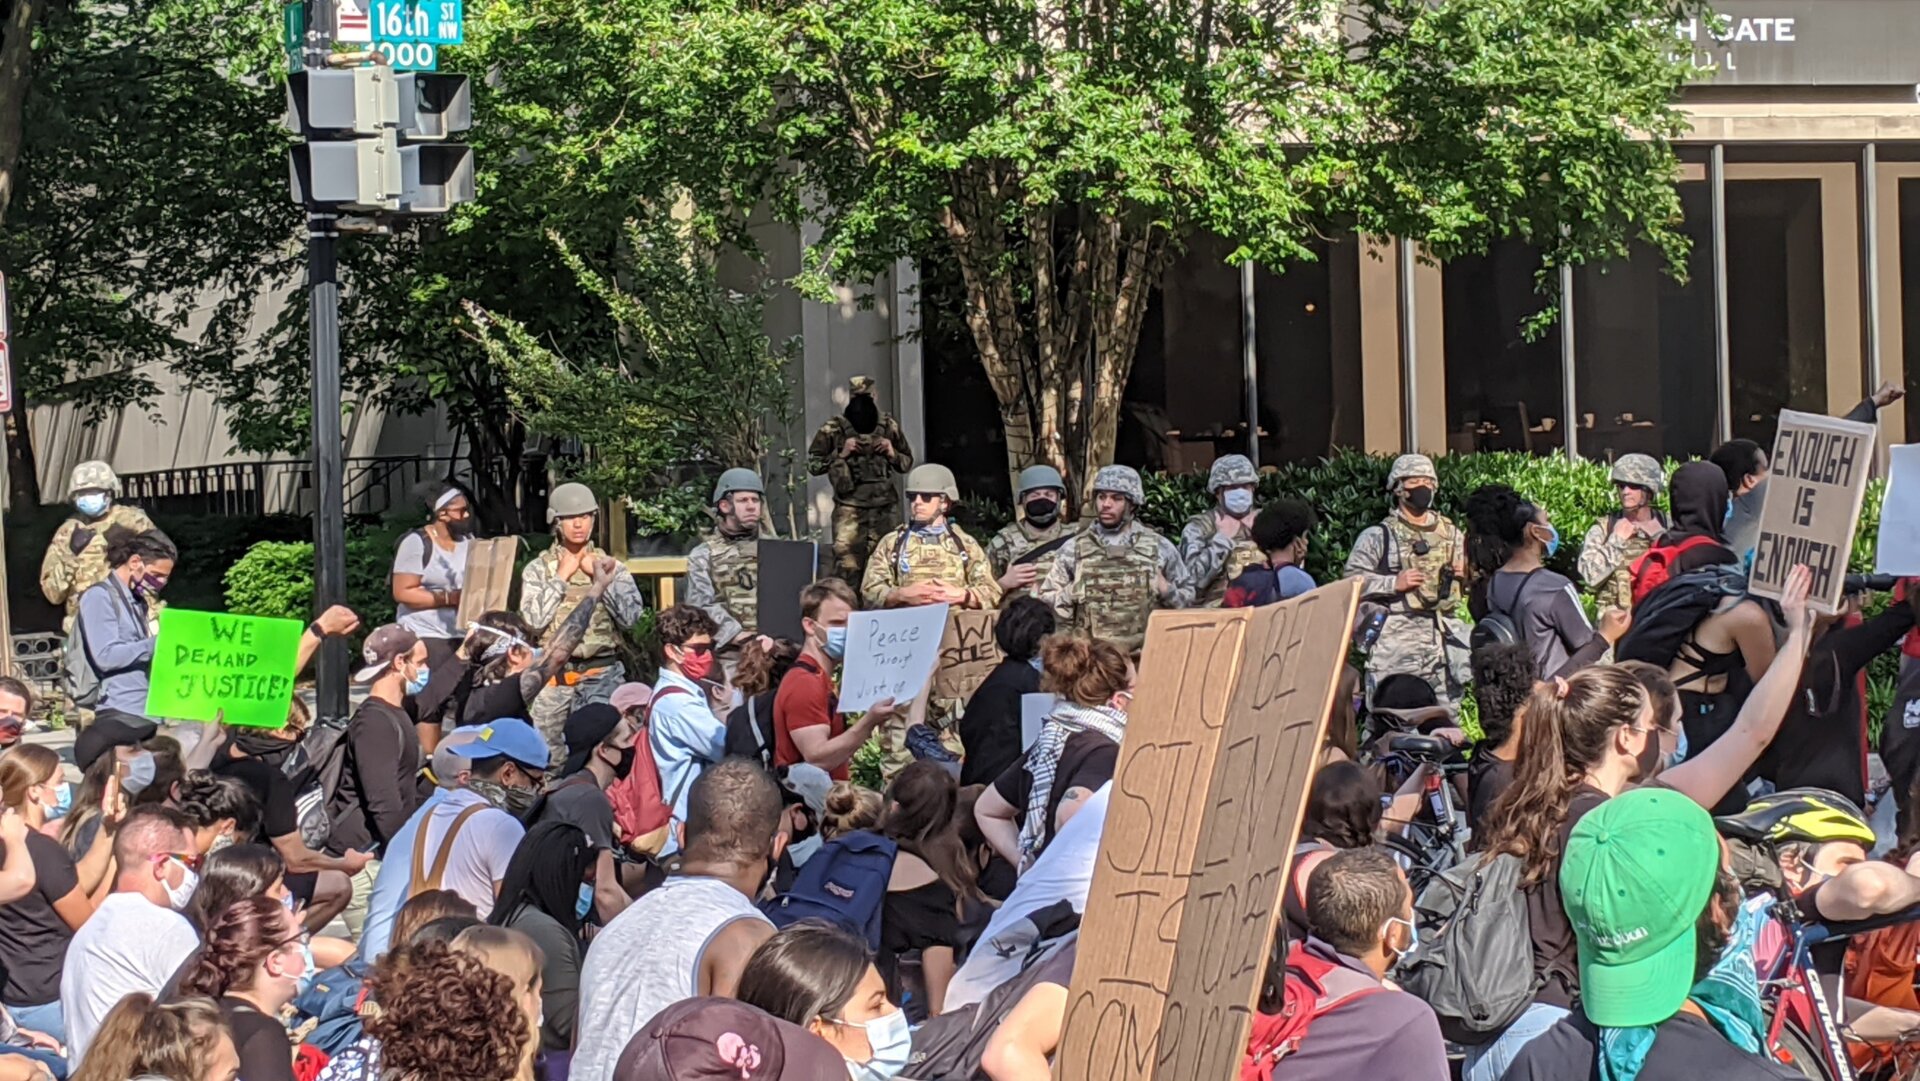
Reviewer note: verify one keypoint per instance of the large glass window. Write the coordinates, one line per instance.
(1643, 348)
(1776, 303)
(1503, 391)
(1307, 338)
(1909, 300)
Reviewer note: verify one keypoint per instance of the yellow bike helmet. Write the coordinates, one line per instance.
(1802, 815)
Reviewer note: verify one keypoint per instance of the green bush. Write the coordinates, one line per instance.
(276, 578)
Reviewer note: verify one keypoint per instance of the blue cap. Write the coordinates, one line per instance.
(509, 736)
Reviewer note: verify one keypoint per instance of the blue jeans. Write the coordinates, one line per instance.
(1490, 1061)
(45, 1018)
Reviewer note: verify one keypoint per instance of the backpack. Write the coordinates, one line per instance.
(331, 1004)
(641, 809)
(1314, 986)
(1474, 964)
(82, 676)
(750, 736)
(845, 883)
(1499, 627)
(1655, 569)
(314, 769)
(1662, 622)
(949, 1047)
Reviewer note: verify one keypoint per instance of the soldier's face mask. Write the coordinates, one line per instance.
(92, 504)
(1418, 500)
(1043, 509)
(863, 414)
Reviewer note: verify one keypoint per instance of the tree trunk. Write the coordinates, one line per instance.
(18, 18)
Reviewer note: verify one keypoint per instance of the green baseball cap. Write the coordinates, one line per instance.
(1637, 873)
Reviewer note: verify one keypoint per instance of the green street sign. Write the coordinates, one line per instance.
(293, 32)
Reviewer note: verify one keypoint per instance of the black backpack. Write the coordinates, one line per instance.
(949, 1047)
(1668, 615)
(314, 769)
(750, 735)
(1474, 964)
(1500, 627)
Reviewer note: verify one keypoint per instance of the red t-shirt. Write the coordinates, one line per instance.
(806, 698)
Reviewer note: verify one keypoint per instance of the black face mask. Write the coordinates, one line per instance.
(625, 765)
(862, 413)
(1043, 512)
(1419, 499)
(264, 747)
(461, 528)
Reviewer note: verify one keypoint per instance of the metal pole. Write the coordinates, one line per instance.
(1870, 260)
(323, 317)
(1409, 381)
(1249, 363)
(1570, 422)
(1722, 334)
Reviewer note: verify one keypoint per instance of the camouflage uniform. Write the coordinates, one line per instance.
(594, 671)
(64, 575)
(1212, 558)
(865, 504)
(1606, 562)
(1103, 585)
(1017, 539)
(723, 579)
(1421, 635)
(907, 557)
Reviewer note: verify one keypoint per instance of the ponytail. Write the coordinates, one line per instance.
(1569, 727)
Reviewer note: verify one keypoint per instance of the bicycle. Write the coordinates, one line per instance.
(1802, 1031)
(1433, 844)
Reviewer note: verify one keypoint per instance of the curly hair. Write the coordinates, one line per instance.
(1503, 679)
(207, 797)
(682, 622)
(1022, 626)
(761, 669)
(440, 1016)
(1280, 523)
(1499, 518)
(238, 940)
(1087, 670)
(140, 1038)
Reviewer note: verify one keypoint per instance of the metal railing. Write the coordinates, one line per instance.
(374, 485)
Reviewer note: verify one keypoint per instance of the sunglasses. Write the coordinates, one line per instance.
(189, 860)
(697, 647)
(924, 497)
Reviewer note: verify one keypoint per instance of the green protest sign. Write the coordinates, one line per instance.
(210, 666)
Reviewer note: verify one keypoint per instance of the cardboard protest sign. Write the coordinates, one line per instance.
(786, 568)
(1898, 551)
(210, 666)
(489, 579)
(1205, 802)
(890, 654)
(967, 653)
(1820, 468)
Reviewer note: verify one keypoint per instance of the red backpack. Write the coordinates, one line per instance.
(640, 808)
(1314, 986)
(1652, 570)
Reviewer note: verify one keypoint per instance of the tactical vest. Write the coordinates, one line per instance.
(942, 559)
(1018, 542)
(1244, 554)
(869, 469)
(1443, 551)
(1113, 584)
(735, 564)
(1616, 590)
(602, 638)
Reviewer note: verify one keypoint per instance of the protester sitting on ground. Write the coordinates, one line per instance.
(849, 807)
(132, 768)
(807, 723)
(1280, 530)
(440, 1019)
(16, 711)
(1503, 679)
(822, 978)
(137, 938)
(181, 1041)
(543, 896)
(1360, 911)
(331, 1005)
(116, 623)
(466, 839)
(1587, 739)
(1667, 984)
(682, 730)
(451, 772)
(1508, 549)
(380, 784)
(600, 754)
(708, 1037)
(931, 878)
(691, 935)
(804, 790)
(993, 875)
(1075, 753)
(237, 872)
(763, 663)
(990, 724)
(505, 671)
(38, 926)
(1344, 810)
(254, 962)
(513, 957)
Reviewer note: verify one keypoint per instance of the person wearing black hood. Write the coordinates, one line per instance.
(1726, 654)
(600, 753)
(1745, 464)
(541, 896)
(858, 452)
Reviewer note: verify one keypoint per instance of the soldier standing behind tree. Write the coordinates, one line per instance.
(723, 571)
(76, 558)
(1023, 552)
(858, 452)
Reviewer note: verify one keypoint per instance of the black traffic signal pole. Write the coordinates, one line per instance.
(323, 322)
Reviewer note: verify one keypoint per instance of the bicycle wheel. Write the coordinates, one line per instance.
(1422, 859)
(1797, 1050)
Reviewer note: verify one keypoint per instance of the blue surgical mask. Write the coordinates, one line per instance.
(892, 1041)
(419, 681)
(1035, 661)
(1553, 541)
(93, 504)
(1413, 938)
(1237, 502)
(836, 646)
(1679, 754)
(140, 771)
(584, 904)
(63, 803)
(309, 969)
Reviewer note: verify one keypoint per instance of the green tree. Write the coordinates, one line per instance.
(1057, 151)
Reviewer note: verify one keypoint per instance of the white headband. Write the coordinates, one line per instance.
(503, 641)
(446, 497)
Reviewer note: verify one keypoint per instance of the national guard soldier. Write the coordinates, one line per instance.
(1024, 550)
(1414, 563)
(1116, 570)
(1615, 543)
(859, 451)
(76, 558)
(1217, 544)
(927, 561)
(723, 572)
(555, 583)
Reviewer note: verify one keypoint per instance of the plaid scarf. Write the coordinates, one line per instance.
(1044, 757)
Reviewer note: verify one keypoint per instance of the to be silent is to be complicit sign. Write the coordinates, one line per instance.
(208, 666)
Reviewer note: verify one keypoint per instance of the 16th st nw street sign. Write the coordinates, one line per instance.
(410, 33)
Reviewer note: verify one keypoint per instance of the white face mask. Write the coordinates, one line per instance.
(178, 896)
(892, 1042)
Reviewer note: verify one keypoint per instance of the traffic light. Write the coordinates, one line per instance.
(376, 139)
